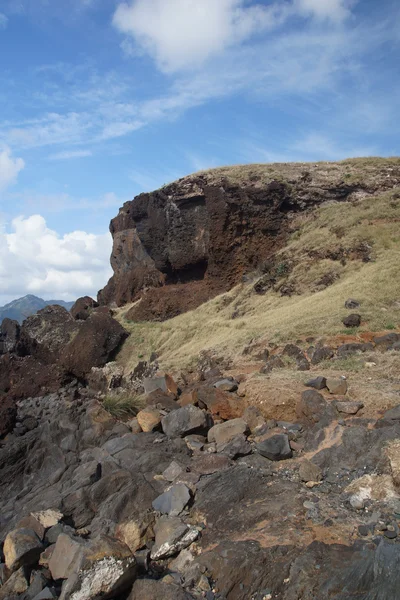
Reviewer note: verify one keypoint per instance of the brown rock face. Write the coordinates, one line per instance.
(83, 307)
(98, 338)
(181, 245)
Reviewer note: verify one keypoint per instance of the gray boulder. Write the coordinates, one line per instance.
(276, 447)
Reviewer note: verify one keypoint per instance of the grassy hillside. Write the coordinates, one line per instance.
(334, 252)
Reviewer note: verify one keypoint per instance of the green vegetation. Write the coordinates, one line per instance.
(123, 406)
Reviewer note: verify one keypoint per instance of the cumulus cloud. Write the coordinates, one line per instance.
(9, 168)
(179, 34)
(35, 259)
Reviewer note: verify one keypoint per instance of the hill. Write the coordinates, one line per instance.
(22, 308)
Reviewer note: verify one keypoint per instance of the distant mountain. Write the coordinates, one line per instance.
(28, 305)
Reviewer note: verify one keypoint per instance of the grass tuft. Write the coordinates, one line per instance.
(123, 406)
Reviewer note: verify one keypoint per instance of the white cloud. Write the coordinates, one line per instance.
(335, 10)
(3, 21)
(35, 259)
(9, 168)
(70, 154)
(181, 33)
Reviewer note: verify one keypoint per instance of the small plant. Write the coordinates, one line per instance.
(350, 330)
(390, 326)
(281, 269)
(122, 407)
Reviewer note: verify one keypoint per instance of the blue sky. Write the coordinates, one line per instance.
(102, 99)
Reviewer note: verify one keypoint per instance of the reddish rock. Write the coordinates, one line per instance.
(188, 398)
(52, 328)
(95, 344)
(221, 404)
(83, 307)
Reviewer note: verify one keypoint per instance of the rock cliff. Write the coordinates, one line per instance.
(199, 236)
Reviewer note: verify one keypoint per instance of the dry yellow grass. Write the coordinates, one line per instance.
(315, 235)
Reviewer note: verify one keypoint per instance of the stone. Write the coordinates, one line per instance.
(309, 471)
(188, 398)
(46, 555)
(83, 307)
(51, 328)
(318, 383)
(106, 570)
(276, 447)
(96, 342)
(149, 419)
(66, 557)
(235, 448)
(151, 384)
(321, 354)
(253, 417)
(384, 341)
(220, 404)
(46, 594)
(37, 583)
(185, 420)
(22, 548)
(195, 442)
(172, 471)
(173, 501)
(303, 364)
(53, 533)
(226, 385)
(48, 518)
(161, 400)
(134, 426)
(224, 432)
(171, 536)
(293, 351)
(392, 414)
(336, 386)
(207, 464)
(353, 320)
(15, 585)
(349, 408)
(149, 589)
(273, 363)
(32, 523)
(351, 303)
(312, 406)
(346, 350)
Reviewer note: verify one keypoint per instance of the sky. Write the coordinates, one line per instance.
(102, 99)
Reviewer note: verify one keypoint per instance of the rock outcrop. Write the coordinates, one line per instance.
(199, 236)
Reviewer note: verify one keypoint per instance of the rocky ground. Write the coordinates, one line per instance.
(202, 495)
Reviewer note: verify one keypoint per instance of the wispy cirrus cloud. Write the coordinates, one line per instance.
(71, 154)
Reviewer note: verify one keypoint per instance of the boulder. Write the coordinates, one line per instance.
(52, 328)
(171, 536)
(149, 589)
(22, 548)
(149, 419)
(83, 307)
(14, 586)
(253, 417)
(235, 448)
(302, 364)
(220, 404)
(185, 420)
(273, 363)
(321, 354)
(67, 554)
(312, 406)
(309, 471)
(206, 464)
(336, 386)
(106, 570)
(32, 523)
(10, 333)
(276, 447)
(383, 342)
(349, 408)
(353, 348)
(48, 518)
(225, 432)
(226, 385)
(293, 351)
(318, 383)
(8, 415)
(353, 320)
(173, 501)
(188, 398)
(95, 344)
